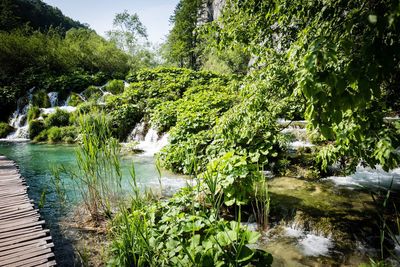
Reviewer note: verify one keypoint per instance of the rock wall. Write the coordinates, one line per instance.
(210, 10)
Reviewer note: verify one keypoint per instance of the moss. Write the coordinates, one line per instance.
(33, 113)
(35, 127)
(41, 99)
(5, 129)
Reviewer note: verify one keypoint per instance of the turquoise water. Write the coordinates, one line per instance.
(36, 162)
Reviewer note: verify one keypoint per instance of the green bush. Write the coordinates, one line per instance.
(115, 86)
(33, 113)
(92, 93)
(62, 134)
(35, 127)
(58, 118)
(5, 129)
(41, 99)
(74, 100)
(124, 118)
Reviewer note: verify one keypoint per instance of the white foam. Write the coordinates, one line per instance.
(314, 245)
(368, 177)
(149, 142)
(47, 111)
(293, 232)
(309, 243)
(299, 144)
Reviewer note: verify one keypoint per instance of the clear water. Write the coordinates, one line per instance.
(36, 162)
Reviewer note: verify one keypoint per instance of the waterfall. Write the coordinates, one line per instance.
(19, 119)
(53, 97)
(150, 142)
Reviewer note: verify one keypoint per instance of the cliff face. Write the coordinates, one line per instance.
(210, 10)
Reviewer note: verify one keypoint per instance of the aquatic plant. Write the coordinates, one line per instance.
(99, 168)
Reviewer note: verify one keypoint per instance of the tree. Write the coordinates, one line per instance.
(180, 48)
(345, 59)
(130, 35)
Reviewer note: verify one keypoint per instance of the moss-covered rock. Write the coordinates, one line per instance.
(35, 127)
(5, 129)
(41, 99)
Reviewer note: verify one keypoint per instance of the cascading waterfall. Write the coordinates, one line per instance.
(19, 119)
(150, 142)
(53, 97)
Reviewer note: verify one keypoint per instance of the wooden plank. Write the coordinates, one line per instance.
(42, 241)
(26, 248)
(23, 240)
(42, 259)
(33, 251)
(20, 226)
(27, 257)
(20, 232)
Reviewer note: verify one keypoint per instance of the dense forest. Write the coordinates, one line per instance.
(301, 91)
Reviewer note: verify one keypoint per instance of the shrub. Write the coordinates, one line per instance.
(58, 118)
(33, 113)
(124, 118)
(62, 134)
(5, 129)
(35, 127)
(74, 100)
(92, 93)
(115, 86)
(41, 99)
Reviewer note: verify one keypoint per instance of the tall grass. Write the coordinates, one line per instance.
(99, 169)
(261, 203)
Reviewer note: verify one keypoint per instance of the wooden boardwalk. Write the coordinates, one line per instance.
(23, 240)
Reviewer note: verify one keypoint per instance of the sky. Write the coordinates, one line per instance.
(99, 14)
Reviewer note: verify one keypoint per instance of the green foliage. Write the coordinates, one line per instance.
(209, 123)
(33, 113)
(115, 86)
(35, 127)
(99, 168)
(180, 47)
(51, 61)
(41, 99)
(124, 119)
(39, 15)
(66, 134)
(181, 232)
(151, 87)
(58, 118)
(92, 93)
(8, 98)
(342, 59)
(5, 129)
(74, 100)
